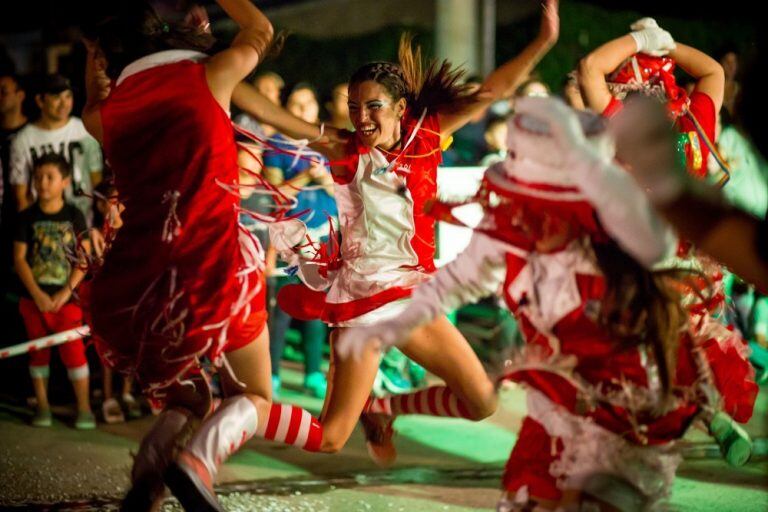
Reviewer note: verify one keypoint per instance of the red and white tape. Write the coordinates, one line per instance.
(45, 342)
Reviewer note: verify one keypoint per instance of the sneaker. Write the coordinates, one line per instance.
(392, 380)
(378, 438)
(191, 483)
(85, 420)
(42, 418)
(112, 412)
(315, 384)
(276, 385)
(132, 405)
(735, 443)
(417, 373)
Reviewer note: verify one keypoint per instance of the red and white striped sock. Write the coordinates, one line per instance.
(433, 401)
(291, 425)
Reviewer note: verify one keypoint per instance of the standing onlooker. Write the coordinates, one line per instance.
(495, 141)
(12, 119)
(46, 239)
(271, 85)
(56, 131)
(748, 185)
(310, 181)
(338, 108)
(729, 59)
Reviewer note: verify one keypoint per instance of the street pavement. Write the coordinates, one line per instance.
(443, 465)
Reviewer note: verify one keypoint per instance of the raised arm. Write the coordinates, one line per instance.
(327, 140)
(227, 68)
(646, 37)
(503, 81)
(594, 67)
(709, 74)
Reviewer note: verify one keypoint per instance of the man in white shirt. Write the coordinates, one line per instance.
(56, 131)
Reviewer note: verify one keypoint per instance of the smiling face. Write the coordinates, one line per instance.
(55, 107)
(375, 114)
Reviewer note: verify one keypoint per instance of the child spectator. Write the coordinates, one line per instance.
(45, 239)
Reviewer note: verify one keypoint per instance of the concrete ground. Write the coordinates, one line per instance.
(443, 465)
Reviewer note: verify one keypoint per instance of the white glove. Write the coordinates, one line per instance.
(644, 23)
(650, 38)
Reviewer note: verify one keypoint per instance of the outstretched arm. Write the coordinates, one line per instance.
(330, 142)
(503, 82)
(475, 273)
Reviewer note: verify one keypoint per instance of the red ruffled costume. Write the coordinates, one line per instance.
(181, 280)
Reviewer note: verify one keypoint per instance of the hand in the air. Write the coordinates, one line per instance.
(650, 38)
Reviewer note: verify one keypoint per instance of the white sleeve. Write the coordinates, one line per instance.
(20, 163)
(625, 212)
(475, 273)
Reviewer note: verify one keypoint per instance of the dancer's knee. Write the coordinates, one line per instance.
(333, 440)
(484, 404)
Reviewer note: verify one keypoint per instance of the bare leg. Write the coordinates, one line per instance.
(107, 382)
(127, 385)
(40, 385)
(252, 367)
(441, 349)
(350, 383)
(82, 389)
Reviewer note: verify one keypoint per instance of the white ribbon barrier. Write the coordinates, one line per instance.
(52, 340)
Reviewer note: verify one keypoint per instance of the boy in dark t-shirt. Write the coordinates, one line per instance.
(44, 242)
